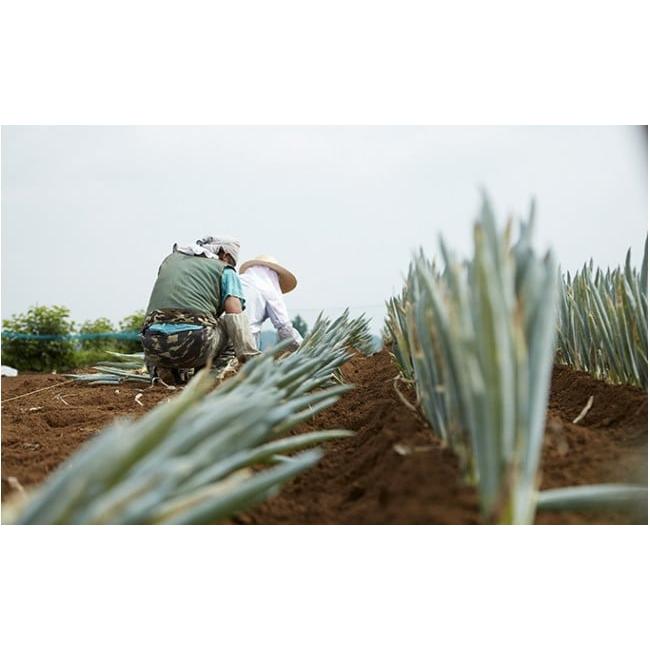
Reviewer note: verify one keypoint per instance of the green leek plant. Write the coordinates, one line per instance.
(595, 497)
(397, 329)
(479, 339)
(603, 322)
(190, 459)
(124, 368)
(492, 335)
(480, 335)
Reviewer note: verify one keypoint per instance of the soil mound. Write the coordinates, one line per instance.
(608, 445)
(364, 480)
(620, 409)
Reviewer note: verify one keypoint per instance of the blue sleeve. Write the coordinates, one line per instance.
(231, 286)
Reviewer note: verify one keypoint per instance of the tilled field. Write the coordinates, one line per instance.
(392, 471)
(41, 430)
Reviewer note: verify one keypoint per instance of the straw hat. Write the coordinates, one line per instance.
(288, 280)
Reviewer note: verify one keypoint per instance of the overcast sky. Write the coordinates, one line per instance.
(88, 213)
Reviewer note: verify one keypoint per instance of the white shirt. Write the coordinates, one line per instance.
(264, 300)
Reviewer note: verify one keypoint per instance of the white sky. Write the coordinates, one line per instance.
(88, 213)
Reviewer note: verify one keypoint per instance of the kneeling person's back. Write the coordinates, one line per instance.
(184, 328)
(189, 283)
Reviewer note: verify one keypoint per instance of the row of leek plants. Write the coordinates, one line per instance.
(202, 456)
(478, 338)
(603, 322)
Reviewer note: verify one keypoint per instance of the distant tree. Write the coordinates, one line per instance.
(39, 355)
(97, 326)
(299, 323)
(132, 323)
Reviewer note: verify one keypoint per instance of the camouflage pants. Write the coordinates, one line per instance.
(190, 349)
(174, 357)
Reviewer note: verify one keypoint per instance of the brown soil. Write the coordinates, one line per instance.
(362, 479)
(40, 431)
(609, 445)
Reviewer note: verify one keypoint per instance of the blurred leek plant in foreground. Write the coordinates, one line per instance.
(190, 459)
(479, 337)
(603, 322)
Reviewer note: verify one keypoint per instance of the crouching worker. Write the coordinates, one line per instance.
(196, 311)
(265, 280)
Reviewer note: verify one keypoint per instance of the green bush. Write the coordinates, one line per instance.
(132, 323)
(98, 326)
(299, 323)
(39, 355)
(89, 358)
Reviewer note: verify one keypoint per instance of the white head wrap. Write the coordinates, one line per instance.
(210, 246)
